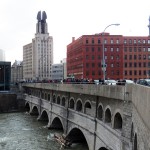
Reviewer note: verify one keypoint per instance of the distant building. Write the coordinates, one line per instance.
(17, 72)
(127, 57)
(5, 75)
(2, 55)
(38, 55)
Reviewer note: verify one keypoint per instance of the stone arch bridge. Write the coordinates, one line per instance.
(104, 117)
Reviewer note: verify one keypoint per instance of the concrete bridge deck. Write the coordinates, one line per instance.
(105, 117)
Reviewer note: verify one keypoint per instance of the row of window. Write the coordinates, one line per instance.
(136, 57)
(135, 72)
(130, 41)
(135, 49)
(144, 64)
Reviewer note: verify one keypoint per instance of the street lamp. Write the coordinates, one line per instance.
(103, 42)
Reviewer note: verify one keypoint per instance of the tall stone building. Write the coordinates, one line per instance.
(38, 55)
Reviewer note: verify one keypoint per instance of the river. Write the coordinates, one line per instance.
(20, 131)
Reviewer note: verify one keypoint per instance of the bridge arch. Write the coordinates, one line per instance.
(102, 148)
(79, 105)
(34, 111)
(100, 112)
(71, 103)
(44, 116)
(76, 135)
(63, 102)
(58, 100)
(27, 107)
(107, 118)
(54, 98)
(117, 121)
(87, 107)
(57, 124)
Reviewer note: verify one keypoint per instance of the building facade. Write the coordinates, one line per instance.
(5, 75)
(17, 72)
(127, 57)
(38, 55)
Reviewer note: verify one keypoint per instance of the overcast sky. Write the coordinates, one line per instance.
(67, 19)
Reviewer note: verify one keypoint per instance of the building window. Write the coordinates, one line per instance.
(130, 72)
(125, 49)
(130, 41)
(112, 65)
(105, 41)
(92, 49)
(112, 72)
(117, 72)
(149, 57)
(139, 72)
(87, 56)
(130, 49)
(144, 64)
(149, 64)
(135, 72)
(125, 57)
(87, 73)
(87, 49)
(117, 41)
(125, 73)
(87, 41)
(139, 41)
(144, 56)
(144, 72)
(99, 57)
(139, 56)
(92, 57)
(99, 65)
(144, 41)
(148, 41)
(87, 65)
(99, 41)
(92, 41)
(117, 49)
(125, 41)
(117, 57)
(105, 57)
(149, 49)
(139, 64)
(130, 57)
(139, 49)
(112, 49)
(134, 57)
(134, 41)
(117, 64)
(144, 49)
(111, 41)
(105, 49)
(130, 64)
(125, 65)
(93, 73)
(134, 49)
(99, 49)
(135, 65)
(112, 57)
(93, 64)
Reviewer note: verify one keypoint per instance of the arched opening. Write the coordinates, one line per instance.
(107, 116)
(87, 108)
(76, 136)
(27, 107)
(135, 142)
(102, 148)
(79, 106)
(54, 99)
(100, 113)
(117, 121)
(48, 97)
(71, 104)
(63, 101)
(44, 116)
(132, 133)
(35, 111)
(56, 124)
(58, 100)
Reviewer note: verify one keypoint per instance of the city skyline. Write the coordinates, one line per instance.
(66, 20)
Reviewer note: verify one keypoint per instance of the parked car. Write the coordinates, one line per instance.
(145, 82)
(110, 82)
(125, 81)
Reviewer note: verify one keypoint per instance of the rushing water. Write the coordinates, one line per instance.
(20, 131)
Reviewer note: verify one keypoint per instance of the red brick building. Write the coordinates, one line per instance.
(127, 57)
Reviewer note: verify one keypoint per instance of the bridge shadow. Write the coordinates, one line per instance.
(76, 136)
(56, 124)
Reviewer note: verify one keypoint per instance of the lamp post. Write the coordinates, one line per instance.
(103, 42)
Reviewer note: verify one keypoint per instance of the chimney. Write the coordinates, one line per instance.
(73, 39)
